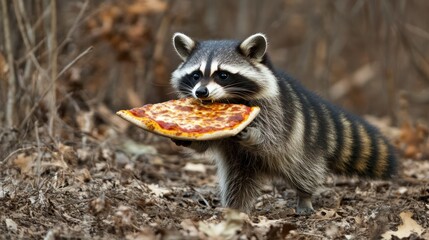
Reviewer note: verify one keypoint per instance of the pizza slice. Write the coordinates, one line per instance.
(189, 119)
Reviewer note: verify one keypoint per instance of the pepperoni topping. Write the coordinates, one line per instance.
(236, 118)
(184, 108)
(138, 112)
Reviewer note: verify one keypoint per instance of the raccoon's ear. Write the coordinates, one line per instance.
(254, 46)
(183, 45)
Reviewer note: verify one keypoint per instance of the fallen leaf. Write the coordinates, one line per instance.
(83, 175)
(192, 167)
(144, 234)
(123, 216)
(11, 225)
(146, 6)
(227, 229)
(98, 205)
(408, 227)
(134, 148)
(24, 162)
(4, 68)
(273, 229)
(189, 227)
(326, 214)
(157, 190)
(402, 190)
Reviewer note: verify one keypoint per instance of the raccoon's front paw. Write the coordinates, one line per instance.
(198, 146)
(249, 136)
(183, 143)
(304, 211)
(304, 205)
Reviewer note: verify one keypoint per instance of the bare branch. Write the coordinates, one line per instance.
(10, 106)
(88, 50)
(26, 40)
(53, 55)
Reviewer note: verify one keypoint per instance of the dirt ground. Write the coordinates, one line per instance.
(125, 183)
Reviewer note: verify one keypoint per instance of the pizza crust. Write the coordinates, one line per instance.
(219, 134)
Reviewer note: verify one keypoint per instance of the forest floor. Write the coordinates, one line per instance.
(128, 184)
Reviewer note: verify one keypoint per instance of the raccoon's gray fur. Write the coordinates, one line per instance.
(297, 136)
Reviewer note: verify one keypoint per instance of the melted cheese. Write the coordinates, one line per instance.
(189, 117)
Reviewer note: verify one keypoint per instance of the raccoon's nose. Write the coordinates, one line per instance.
(202, 92)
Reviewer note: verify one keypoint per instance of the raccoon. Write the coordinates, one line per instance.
(298, 136)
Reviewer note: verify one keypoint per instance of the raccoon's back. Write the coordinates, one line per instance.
(350, 145)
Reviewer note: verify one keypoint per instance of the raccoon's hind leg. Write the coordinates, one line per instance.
(240, 184)
(304, 205)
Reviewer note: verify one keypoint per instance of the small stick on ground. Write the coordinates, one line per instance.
(39, 153)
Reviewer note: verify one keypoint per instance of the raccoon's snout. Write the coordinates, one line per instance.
(202, 92)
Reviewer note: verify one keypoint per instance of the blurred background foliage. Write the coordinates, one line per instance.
(371, 57)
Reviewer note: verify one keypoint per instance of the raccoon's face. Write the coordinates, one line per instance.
(223, 70)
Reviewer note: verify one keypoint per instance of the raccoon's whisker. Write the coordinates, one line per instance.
(236, 89)
(215, 93)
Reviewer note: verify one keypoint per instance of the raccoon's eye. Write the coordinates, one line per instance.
(196, 76)
(223, 75)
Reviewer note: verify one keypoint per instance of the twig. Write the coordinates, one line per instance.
(417, 31)
(10, 106)
(26, 40)
(27, 25)
(26, 56)
(202, 197)
(71, 30)
(39, 152)
(418, 59)
(32, 39)
(88, 50)
(74, 25)
(53, 54)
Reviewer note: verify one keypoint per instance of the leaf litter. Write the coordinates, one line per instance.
(119, 186)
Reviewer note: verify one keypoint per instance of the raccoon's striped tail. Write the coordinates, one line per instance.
(362, 150)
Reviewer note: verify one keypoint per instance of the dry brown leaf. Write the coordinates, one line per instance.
(24, 162)
(124, 216)
(147, 6)
(144, 234)
(157, 190)
(226, 229)
(408, 227)
(189, 227)
(413, 140)
(326, 214)
(275, 228)
(4, 68)
(84, 175)
(11, 225)
(98, 205)
(134, 148)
